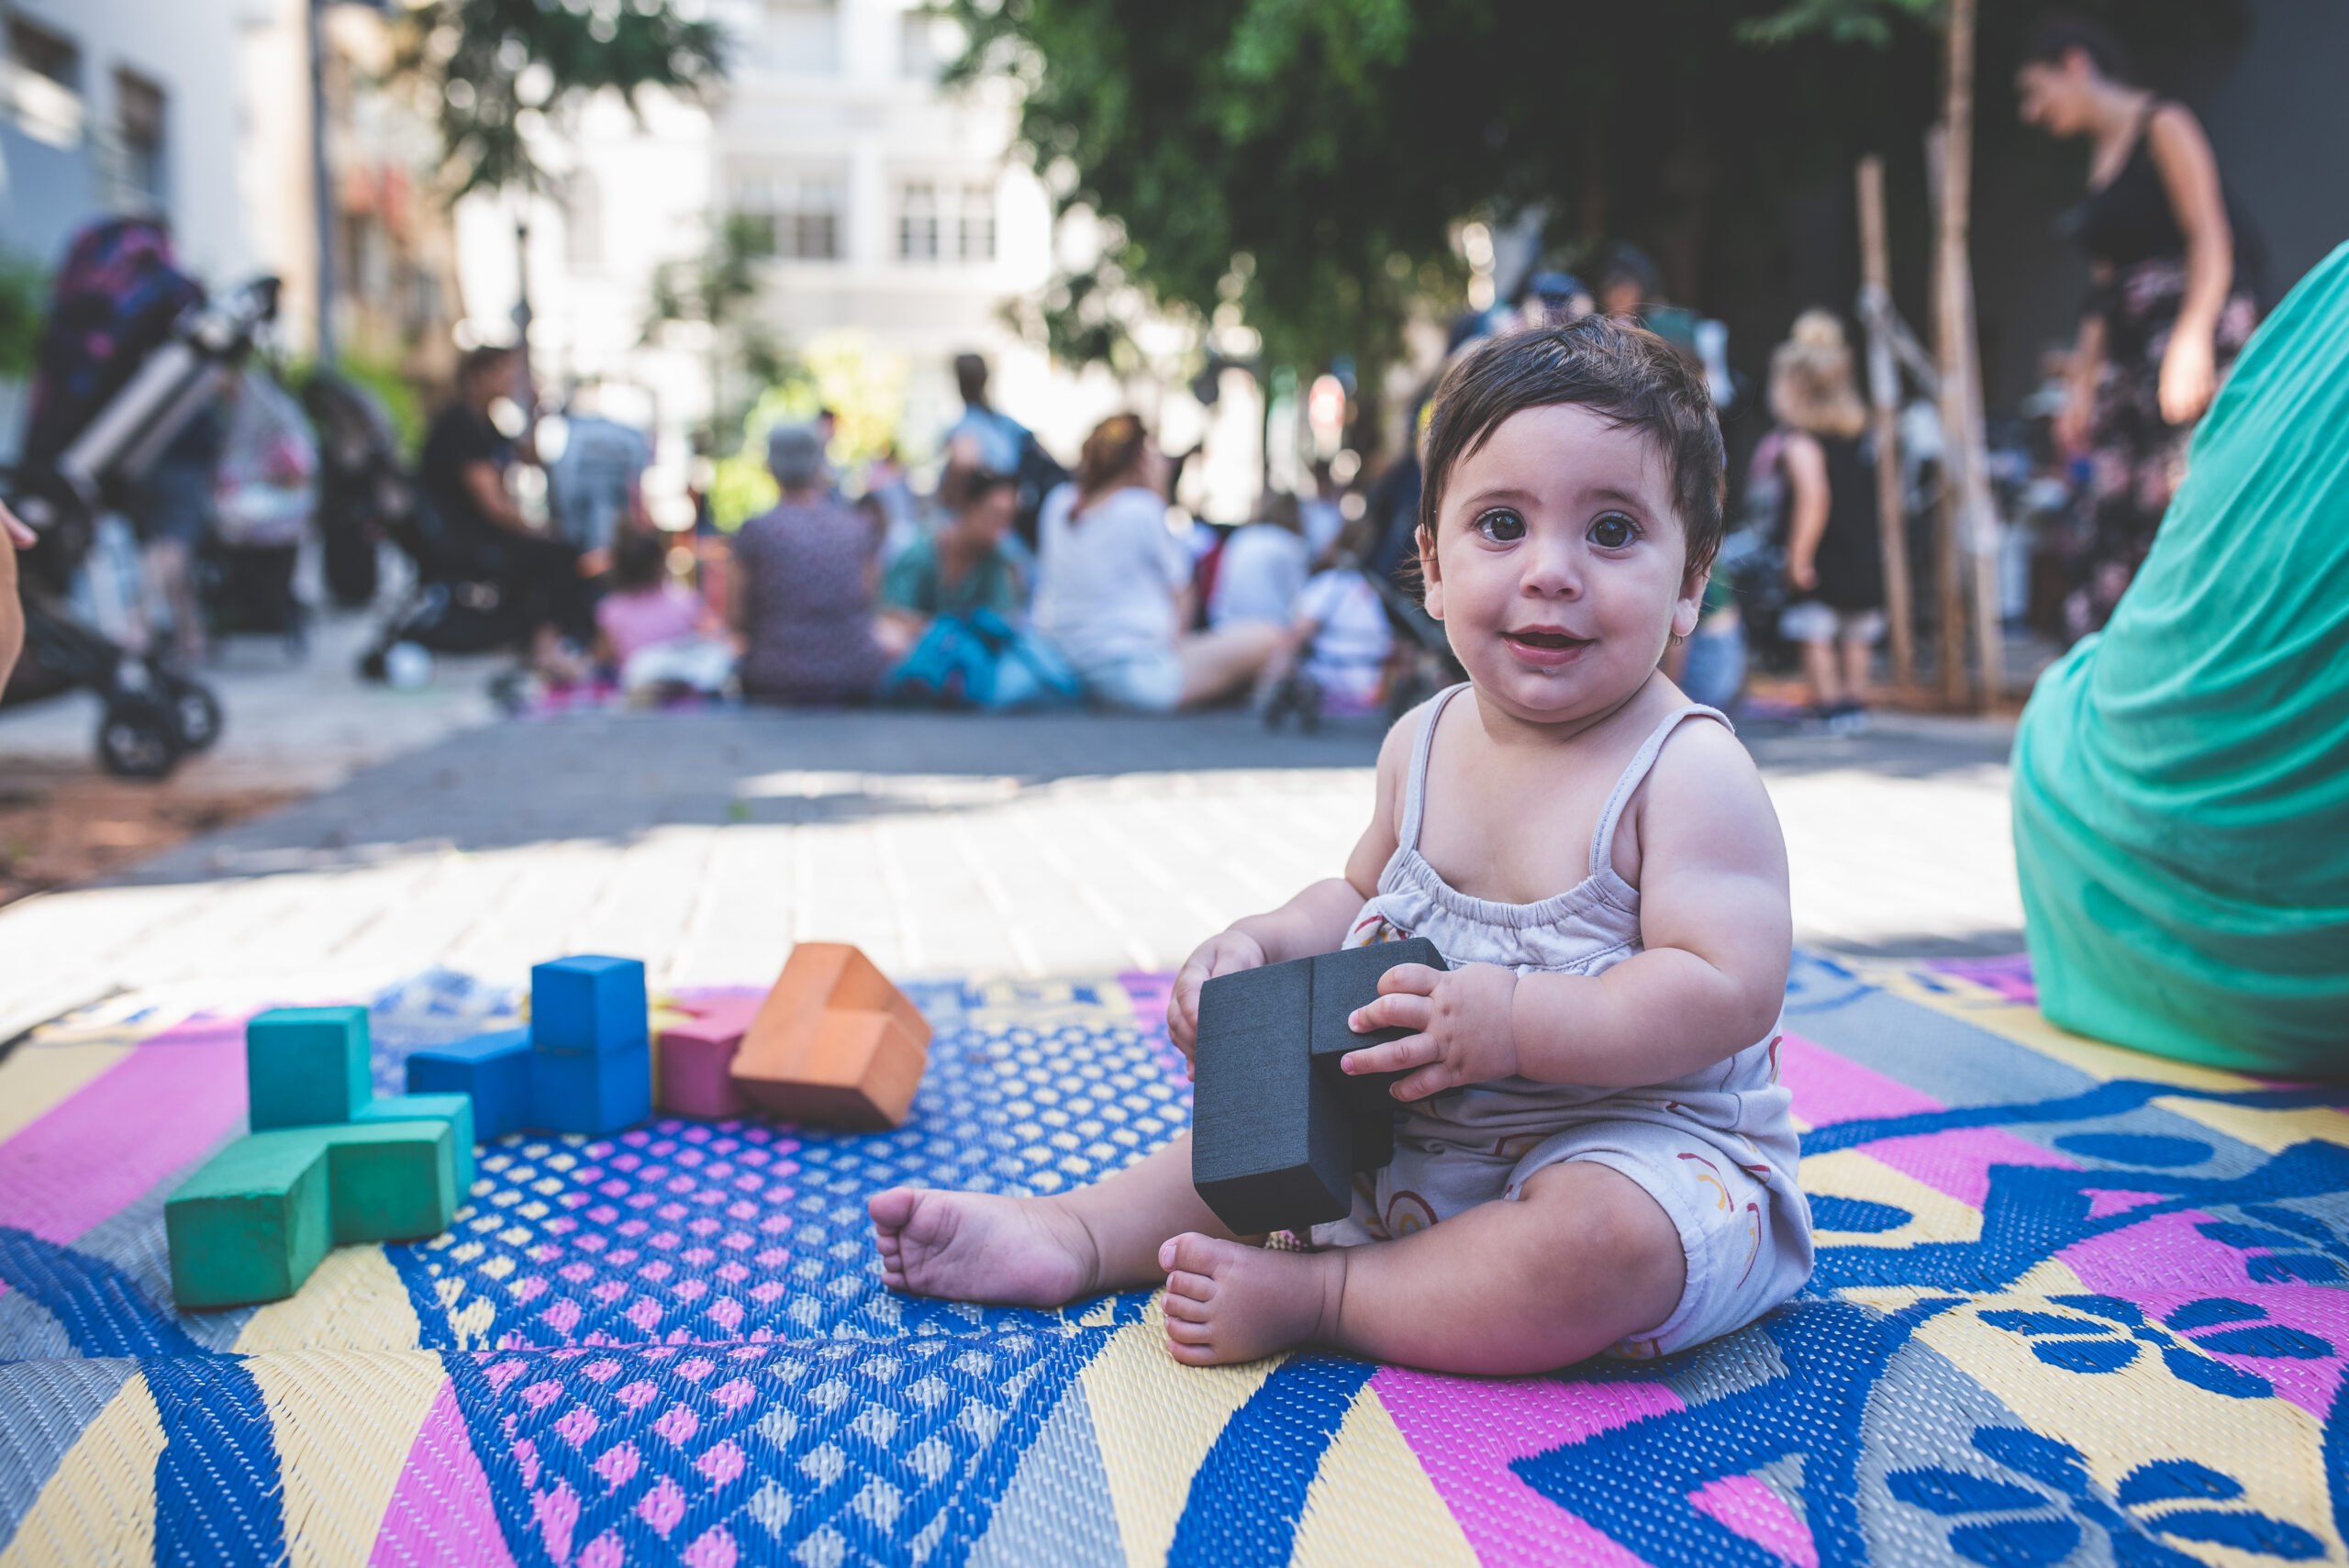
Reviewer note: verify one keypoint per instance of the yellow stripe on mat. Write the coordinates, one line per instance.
(1156, 1419)
(2273, 1131)
(98, 1507)
(344, 1422)
(1372, 1502)
(36, 1079)
(353, 1301)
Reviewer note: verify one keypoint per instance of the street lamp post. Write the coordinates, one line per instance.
(321, 186)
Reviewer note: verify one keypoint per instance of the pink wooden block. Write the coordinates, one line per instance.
(697, 1074)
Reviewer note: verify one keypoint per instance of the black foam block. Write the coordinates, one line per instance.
(1271, 1146)
(1344, 981)
(1278, 1127)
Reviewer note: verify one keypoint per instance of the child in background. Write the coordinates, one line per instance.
(1595, 1153)
(654, 631)
(1341, 628)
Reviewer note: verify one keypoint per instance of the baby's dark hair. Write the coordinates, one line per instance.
(639, 560)
(1627, 374)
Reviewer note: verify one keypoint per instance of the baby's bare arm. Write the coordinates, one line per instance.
(1715, 919)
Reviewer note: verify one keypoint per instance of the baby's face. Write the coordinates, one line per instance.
(1557, 569)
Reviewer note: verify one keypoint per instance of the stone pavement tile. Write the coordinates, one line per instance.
(707, 844)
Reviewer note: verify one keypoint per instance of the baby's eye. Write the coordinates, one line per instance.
(1613, 531)
(1501, 526)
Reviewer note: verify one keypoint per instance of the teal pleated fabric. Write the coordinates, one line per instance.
(2181, 793)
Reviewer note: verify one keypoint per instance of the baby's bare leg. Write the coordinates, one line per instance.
(1583, 1259)
(1040, 1251)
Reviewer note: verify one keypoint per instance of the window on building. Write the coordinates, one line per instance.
(803, 38)
(138, 120)
(917, 221)
(974, 227)
(793, 217)
(45, 53)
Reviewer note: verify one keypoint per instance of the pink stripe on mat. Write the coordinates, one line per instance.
(1831, 1088)
(158, 1109)
(1465, 1431)
(440, 1512)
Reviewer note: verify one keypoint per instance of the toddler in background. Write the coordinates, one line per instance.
(1340, 628)
(1595, 1154)
(654, 631)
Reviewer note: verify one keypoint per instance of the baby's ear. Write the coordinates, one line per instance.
(1689, 608)
(1431, 575)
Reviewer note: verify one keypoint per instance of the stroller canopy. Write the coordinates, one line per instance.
(115, 300)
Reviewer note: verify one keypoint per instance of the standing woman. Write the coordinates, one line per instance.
(1835, 553)
(2175, 293)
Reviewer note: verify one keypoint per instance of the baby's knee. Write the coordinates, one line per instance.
(1612, 1236)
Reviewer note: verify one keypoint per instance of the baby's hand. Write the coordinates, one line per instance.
(1467, 1033)
(1223, 953)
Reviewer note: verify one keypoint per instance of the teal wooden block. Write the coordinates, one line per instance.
(306, 1066)
(390, 1181)
(251, 1223)
(456, 1110)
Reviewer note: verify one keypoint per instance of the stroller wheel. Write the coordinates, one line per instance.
(137, 738)
(195, 713)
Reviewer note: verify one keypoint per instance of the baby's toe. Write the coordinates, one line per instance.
(1201, 1354)
(1184, 1333)
(1191, 1253)
(890, 1210)
(1188, 1300)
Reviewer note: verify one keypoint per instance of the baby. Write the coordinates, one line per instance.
(1594, 1152)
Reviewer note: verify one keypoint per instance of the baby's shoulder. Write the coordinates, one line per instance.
(1704, 784)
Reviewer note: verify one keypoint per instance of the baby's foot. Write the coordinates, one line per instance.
(1226, 1302)
(981, 1247)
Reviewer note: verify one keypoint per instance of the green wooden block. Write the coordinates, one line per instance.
(456, 1110)
(251, 1223)
(306, 1066)
(390, 1181)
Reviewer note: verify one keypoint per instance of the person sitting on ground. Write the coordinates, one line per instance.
(1834, 556)
(463, 472)
(801, 589)
(1263, 566)
(655, 630)
(1617, 1168)
(1113, 585)
(959, 569)
(2181, 808)
(1341, 628)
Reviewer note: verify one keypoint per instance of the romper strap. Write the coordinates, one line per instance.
(1415, 785)
(1602, 842)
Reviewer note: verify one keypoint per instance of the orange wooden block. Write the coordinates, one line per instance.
(834, 1042)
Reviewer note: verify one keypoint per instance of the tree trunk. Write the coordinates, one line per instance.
(1970, 524)
(1884, 394)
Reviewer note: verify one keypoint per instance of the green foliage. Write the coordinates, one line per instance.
(24, 307)
(865, 390)
(386, 381)
(496, 66)
(1336, 144)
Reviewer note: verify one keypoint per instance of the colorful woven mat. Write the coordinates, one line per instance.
(2073, 1306)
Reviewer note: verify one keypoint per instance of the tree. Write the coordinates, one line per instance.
(1336, 144)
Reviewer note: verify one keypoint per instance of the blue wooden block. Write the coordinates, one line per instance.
(456, 1109)
(493, 1069)
(602, 1091)
(588, 1004)
(306, 1066)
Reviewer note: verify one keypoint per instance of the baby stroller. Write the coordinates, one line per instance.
(131, 356)
(265, 495)
(363, 493)
(1418, 663)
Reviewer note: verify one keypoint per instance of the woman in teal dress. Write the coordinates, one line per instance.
(2182, 779)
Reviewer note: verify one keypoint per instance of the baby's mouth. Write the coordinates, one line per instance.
(1545, 641)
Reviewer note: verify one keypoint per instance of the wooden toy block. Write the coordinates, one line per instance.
(834, 1042)
(588, 1004)
(597, 1092)
(251, 1223)
(493, 1069)
(456, 1110)
(390, 1181)
(306, 1066)
(693, 1064)
(1278, 1127)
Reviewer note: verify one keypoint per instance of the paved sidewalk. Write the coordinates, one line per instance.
(707, 843)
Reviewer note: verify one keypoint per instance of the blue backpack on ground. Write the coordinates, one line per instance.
(979, 660)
